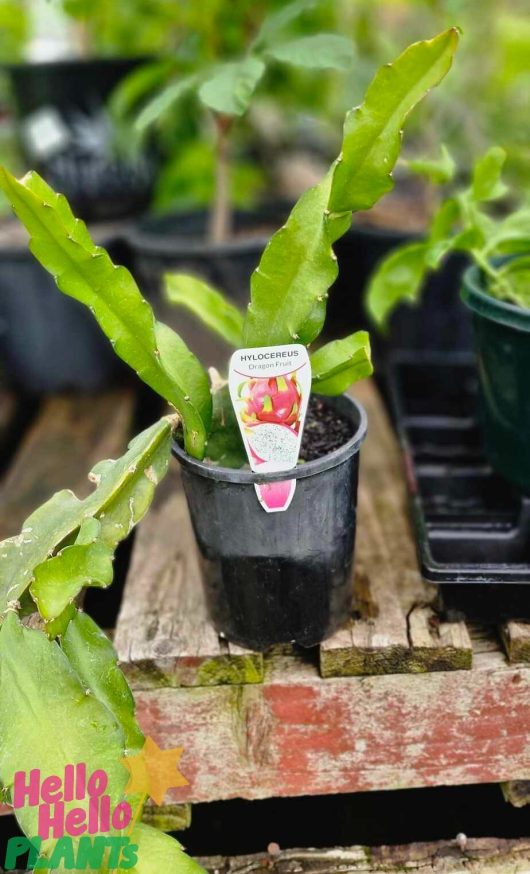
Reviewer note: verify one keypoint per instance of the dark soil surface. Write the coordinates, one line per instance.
(324, 431)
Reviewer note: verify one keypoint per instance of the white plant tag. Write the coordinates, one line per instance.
(45, 133)
(270, 388)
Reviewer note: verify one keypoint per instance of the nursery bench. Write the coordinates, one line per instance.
(399, 698)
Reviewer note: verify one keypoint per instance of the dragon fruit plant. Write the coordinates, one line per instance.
(63, 699)
(56, 668)
(289, 288)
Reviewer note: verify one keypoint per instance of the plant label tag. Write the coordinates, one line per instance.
(270, 388)
(45, 134)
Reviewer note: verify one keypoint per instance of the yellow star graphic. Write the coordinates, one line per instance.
(153, 771)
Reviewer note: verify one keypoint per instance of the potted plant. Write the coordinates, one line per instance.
(495, 290)
(284, 566)
(64, 703)
(221, 246)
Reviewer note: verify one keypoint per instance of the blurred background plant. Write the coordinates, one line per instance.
(294, 114)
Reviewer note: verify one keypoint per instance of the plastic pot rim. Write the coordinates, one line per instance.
(310, 468)
(67, 63)
(146, 239)
(477, 299)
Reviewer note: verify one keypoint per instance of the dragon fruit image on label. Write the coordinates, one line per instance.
(269, 388)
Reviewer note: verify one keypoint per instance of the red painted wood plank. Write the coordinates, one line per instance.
(299, 735)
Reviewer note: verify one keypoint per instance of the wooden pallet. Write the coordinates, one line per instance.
(476, 855)
(402, 704)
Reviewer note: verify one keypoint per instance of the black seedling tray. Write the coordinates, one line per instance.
(472, 528)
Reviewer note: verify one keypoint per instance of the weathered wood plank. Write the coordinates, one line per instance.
(396, 628)
(163, 635)
(516, 639)
(296, 735)
(70, 434)
(479, 855)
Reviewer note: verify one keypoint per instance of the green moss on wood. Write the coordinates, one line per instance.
(392, 660)
(231, 670)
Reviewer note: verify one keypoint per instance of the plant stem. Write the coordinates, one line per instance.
(220, 217)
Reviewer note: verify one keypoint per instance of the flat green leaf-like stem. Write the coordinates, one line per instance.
(290, 284)
(207, 304)
(372, 131)
(85, 271)
(340, 363)
(95, 662)
(123, 494)
(47, 720)
(59, 580)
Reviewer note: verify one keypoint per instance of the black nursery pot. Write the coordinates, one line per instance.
(178, 242)
(48, 341)
(67, 136)
(278, 577)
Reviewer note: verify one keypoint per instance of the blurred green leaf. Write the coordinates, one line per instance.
(318, 52)
(445, 219)
(439, 171)
(487, 183)
(398, 278)
(512, 234)
(276, 21)
(230, 89)
(137, 85)
(337, 365)
(207, 304)
(168, 97)
(85, 271)
(188, 179)
(14, 30)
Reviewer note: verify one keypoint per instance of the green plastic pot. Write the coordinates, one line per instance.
(502, 342)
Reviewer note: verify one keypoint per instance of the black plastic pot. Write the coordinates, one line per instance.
(438, 322)
(66, 134)
(178, 243)
(48, 341)
(279, 577)
(502, 341)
